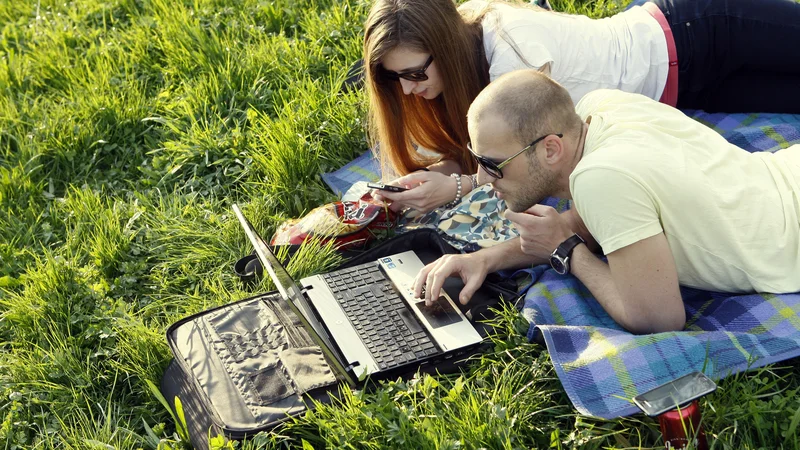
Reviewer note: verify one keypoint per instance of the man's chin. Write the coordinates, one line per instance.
(514, 207)
(518, 207)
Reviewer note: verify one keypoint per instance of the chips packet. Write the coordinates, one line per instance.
(349, 224)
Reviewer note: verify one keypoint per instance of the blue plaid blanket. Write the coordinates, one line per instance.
(602, 366)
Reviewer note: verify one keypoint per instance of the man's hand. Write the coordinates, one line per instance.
(427, 191)
(541, 230)
(472, 269)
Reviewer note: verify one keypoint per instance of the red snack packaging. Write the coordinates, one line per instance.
(349, 224)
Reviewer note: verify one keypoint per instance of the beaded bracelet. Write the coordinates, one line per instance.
(457, 176)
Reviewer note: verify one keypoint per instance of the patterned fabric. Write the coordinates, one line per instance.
(602, 366)
(476, 222)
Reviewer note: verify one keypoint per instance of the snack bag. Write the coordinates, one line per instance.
(350, 224)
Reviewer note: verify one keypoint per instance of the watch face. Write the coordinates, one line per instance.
(558, 265)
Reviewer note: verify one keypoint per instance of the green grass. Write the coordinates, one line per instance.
(127, 128)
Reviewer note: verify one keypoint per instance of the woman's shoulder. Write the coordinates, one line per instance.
(473, 5)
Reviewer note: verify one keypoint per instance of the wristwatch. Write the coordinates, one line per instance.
(559, 259)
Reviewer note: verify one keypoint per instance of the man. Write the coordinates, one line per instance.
(669, 201)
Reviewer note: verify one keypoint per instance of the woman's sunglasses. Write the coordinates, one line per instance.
(494, 169)
(410, 75)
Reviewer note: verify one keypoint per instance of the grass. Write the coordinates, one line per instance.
(127, 128)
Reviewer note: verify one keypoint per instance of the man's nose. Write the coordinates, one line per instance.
(408, 85)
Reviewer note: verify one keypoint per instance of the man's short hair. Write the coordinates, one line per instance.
(531, 103)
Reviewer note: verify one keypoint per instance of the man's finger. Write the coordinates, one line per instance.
(541, 210)
(471, 285)
(522, 218)
(434, 288)
(422, 278)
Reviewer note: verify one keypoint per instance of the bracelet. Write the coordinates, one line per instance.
(457, 176)
(473, 181)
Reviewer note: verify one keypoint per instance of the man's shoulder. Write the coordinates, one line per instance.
(617, 158)
(605, 99)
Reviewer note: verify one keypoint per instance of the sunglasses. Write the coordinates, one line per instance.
(410, 75)
(494, 169)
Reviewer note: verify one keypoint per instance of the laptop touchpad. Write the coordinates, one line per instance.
(439, 314)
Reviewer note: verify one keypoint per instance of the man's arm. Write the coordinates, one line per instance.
(472, 268)
(638, 287)
(577, 226)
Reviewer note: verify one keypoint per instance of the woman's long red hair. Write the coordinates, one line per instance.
(399, 122)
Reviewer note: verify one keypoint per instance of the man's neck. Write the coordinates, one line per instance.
(577, 156)
(581, 143)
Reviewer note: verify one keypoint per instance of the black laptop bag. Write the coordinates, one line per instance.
(248, 366)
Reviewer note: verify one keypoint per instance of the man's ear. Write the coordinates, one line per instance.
(553, 149)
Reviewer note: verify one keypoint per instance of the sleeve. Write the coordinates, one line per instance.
(601, 101)
(617, 209)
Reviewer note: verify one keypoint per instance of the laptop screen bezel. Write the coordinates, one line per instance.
(290, 292)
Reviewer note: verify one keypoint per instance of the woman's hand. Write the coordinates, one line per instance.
(426, 191)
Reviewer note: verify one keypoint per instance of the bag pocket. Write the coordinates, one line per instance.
(270, 385)
(307, 368)
(267, 357)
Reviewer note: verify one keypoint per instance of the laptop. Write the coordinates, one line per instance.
(365, 318)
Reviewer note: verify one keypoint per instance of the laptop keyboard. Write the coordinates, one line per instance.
(383, 321)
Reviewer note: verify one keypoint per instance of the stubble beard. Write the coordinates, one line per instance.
(540, 185)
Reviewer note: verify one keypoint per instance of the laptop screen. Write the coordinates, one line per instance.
(290, 292)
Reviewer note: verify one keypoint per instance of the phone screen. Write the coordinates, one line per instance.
(675, 393)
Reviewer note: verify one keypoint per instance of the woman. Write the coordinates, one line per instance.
(426, 61)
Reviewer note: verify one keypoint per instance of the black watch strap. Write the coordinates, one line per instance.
(566, 247)
(559, 259)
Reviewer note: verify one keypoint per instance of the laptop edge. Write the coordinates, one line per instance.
(289, 289)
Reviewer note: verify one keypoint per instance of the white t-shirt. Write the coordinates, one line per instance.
(732, 218)
(627, 51)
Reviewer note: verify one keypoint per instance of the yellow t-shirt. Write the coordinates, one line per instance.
(732, 218)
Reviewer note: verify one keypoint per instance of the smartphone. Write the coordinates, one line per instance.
(676, 393)
(386, 187)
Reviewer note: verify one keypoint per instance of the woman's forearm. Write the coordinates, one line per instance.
(445, 166)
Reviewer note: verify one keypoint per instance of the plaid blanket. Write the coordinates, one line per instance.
(602, 367)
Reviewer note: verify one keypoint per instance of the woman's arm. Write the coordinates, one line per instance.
(445, 166)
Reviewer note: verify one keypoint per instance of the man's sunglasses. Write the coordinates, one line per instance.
(410, 75)
(494, 169)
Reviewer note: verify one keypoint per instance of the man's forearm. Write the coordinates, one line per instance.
(509, 255)
(596, 275)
